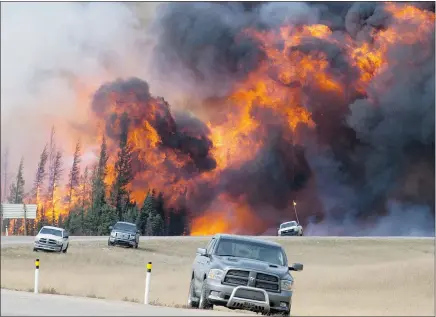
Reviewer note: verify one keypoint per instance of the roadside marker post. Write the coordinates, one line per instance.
(35, 289)
(147, 283)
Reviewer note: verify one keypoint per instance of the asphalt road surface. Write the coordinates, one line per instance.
(19, 240)
(14, 303)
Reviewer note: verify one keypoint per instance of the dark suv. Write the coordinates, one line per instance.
(124, 233)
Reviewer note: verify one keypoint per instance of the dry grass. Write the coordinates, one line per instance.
(340, 277)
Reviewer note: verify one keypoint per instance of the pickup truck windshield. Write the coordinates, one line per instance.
(54, 232)
(288, 224)
(251, 250)
(125, 227)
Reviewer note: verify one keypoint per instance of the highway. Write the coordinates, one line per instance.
(18, 240)
(14, 303)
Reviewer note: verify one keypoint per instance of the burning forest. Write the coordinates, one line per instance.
(329, 105)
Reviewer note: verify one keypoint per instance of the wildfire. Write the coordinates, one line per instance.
(235, 217)
(173, 159)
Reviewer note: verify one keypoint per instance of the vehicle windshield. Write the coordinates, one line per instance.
(54, 232)
(251, 250)
(125, 227)
(288, 224)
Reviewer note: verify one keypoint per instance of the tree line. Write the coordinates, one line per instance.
(88, 205)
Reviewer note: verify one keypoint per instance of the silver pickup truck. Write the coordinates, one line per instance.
(242, 273)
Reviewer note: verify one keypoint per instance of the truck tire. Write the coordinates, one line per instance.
(192, 303)
(204, 302)
(109, 243)
(65, 251)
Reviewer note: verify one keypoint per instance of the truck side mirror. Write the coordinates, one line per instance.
(110, 227)
(201, 251)
(296, 267)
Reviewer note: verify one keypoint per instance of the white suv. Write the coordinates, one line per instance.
(52, 239)
(290, 228)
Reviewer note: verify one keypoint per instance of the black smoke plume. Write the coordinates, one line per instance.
(369, 147)
(132, 96)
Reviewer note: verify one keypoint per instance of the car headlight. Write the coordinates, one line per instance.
(59, 242)
(113, 234)
(215, 274)
(132, 237)
(287, 285)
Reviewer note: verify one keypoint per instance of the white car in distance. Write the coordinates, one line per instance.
(290, 228)
(52, 239)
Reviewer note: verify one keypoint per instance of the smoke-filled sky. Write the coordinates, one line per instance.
(238, 109)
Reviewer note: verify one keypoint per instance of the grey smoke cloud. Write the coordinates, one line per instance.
(46, 49)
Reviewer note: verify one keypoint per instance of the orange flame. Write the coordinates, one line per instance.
(278, 86)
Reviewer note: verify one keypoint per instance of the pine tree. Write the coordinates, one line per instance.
(56, 174)
(40, 176)
(85, 194)
(120, 195)
(148, 211)
(155, 225)
(177, 222)
(4, 185)
(51, 158)
(16, 194)
(158, 225)
(160, 210)
(132, 213)
(98, 192)
(5, 173)
(37, 189)
(108, 218)
(149, 225)
(74, 175)
(42, 218)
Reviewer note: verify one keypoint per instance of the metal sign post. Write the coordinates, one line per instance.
(19, 211)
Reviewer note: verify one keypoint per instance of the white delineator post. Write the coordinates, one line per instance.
(147, 283)
(35, 289)
(7, 233)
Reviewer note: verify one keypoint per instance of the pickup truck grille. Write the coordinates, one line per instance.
(237, 277)
(264, 281)
(49, 241)
(122, 235)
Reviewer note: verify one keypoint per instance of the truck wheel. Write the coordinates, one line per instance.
(204, 302)
(109, 243)
(35, 250)
(65, 251)
(192, 303)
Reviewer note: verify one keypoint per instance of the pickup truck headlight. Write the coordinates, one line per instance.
(113, 234)
(58, 242)
(287, 285)
(132, 237)
(215, 274)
